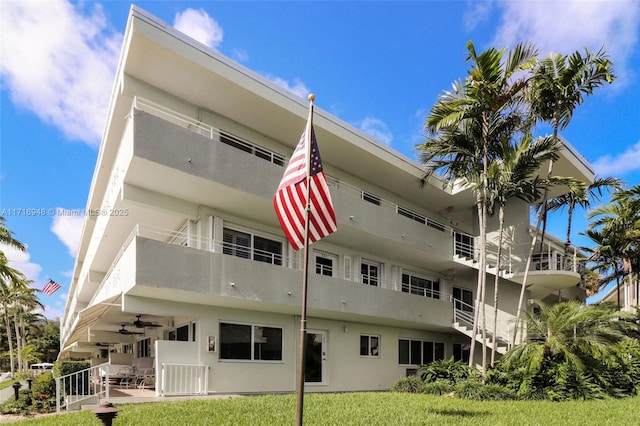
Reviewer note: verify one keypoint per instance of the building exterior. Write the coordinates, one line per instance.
(624, 295)
(182, 246)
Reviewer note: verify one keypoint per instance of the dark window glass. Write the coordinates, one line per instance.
(235, 341)
(267, 343)
(416, 352)
(324, 266)
(373, 199)
(364, 345)
(182, 333)
(267, 251)
(438, 351)
(236, 243)
(369, 274)
(403, 351)
(427, 352)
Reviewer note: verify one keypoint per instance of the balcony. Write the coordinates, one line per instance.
(366, 220)
(157, 264)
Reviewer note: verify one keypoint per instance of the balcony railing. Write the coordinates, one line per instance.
(464, 245)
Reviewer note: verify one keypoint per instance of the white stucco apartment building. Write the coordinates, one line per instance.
(185, 240)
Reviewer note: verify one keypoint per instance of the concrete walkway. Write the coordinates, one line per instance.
(7, 393)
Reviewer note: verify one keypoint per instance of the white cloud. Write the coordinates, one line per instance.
(21, 261)
(620, 164)
(476, 12)
(241, 55)
(198, 25)
(67, 226)
(298, 87)
(57, 62)
(566, 26)
(376, 128)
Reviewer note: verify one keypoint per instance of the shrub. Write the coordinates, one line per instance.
(44, 393)
(453, 371)
(411, 384)
(439, 387)
(20, 406)
(472, 389)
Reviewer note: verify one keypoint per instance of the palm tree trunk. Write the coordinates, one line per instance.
(476, 310)
(16, 326)
(545, 199)
(567, 244)
(523, 288)
(495, 286)
(7, 326)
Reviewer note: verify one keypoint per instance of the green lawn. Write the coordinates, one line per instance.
(362, 409)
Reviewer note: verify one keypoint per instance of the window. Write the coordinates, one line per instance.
(373, 199)
(463, 299)
(182, 333)
(127, 348)
(421, 286)
(403, 211)
(248, 147)
(419, 352)
(143, 348)
(247, 246)
(369, 345)
(250, 342)
(369, 272)
(326, 264)
(461, 352)
(464, 245)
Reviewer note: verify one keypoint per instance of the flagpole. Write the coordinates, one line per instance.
(305, 271)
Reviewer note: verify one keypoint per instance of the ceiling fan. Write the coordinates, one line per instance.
(123, 330)
(142, 324)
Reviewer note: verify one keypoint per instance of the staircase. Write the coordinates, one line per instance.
(463, 322)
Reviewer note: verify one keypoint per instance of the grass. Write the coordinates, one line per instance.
(384, 409)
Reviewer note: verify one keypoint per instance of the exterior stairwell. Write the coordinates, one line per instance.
(463, 323)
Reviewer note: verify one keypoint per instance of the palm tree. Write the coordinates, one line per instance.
(603, 254)
(25, 301)
(570, 334)
(466, 128)
(514, 175)
(6, 236)
(557, 87)
(580, 194)
(619, 222)
(11, 281)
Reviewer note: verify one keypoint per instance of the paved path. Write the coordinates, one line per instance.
(7, 393)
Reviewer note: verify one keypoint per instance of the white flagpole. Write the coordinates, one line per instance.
(305, 271)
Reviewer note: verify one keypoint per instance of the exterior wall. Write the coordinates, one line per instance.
(346, 370)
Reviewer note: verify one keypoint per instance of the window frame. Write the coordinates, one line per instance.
(250, 252)
(251, 344)
(329, 256)
(369, 347)
(431, 291)
(367, 278)
(417, 348)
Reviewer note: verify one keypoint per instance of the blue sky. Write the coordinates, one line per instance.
(379, 66)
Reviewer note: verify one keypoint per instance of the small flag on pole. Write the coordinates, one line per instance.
(290, 202)
(51, 287)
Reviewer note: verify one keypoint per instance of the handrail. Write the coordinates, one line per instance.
(81, 385)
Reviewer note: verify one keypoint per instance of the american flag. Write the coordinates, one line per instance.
(51, 287)
(290, 199)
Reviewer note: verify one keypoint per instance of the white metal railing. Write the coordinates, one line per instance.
(184, 379)
(463, 313)
(82, 385)
(174, 117)
(464, 245)
(251, 253)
